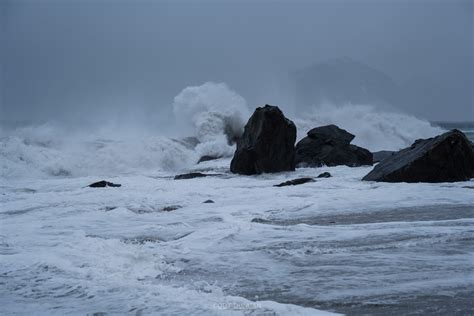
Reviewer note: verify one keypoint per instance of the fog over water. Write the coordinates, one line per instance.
(125, 61)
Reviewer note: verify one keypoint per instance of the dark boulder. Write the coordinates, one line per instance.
(208, 201)
(381, 155)
(446, 158)
(267, 144)
(324, 175)
(295, 182)
(330, 145)
(103, 184)
(190, 175)
(331, 133)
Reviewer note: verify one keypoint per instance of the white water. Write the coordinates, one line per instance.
(374, 129)
(211, 113)
(69, 249)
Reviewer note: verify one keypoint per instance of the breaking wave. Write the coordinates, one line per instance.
(373, 129)
(45, 150)
(212, 114)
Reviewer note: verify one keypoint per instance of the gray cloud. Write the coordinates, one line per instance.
(86, 60)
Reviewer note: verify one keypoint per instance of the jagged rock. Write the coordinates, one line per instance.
(445, 158)
(267, 144)
(324, 175)
(330, 145)
(103, 184)
(208, 158)
(190, 175)
(295, 182)
(378, 156)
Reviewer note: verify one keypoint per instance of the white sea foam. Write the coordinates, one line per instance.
(45, 151)
(212, 113)
(69, 249)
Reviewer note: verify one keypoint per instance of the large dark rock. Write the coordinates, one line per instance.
(446, 158)
(267, 144)
(330, 145)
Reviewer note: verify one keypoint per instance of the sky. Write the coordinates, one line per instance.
(79, 61)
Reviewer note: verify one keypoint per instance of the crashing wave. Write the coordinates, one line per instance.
(373, 129)
(214, 113)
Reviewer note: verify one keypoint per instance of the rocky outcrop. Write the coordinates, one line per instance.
(294, 182)
(446, 158)
(331, 133)
(267, 144)
(324, 175)
(103, 184)
(190, 175)
(330, 145)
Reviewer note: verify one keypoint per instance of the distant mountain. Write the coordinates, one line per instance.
(343, 80)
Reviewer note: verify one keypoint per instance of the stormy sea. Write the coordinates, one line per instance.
(226, 243)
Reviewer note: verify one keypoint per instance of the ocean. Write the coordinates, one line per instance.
(152, 247)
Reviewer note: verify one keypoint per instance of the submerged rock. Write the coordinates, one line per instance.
(208, 158)
(295, 182)
(324, 175)
(378, 156)
(103, 184)
(330, 145)
(267, 144)
(260, 220)
(171, 208)
(446, 158)
(190, 175)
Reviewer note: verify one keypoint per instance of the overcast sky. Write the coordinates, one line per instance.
(68, 60)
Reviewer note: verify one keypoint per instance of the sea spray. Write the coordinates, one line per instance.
(214, 114)
(76, 155)
(374, 129)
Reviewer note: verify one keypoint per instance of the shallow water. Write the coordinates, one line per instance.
(337, 244)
